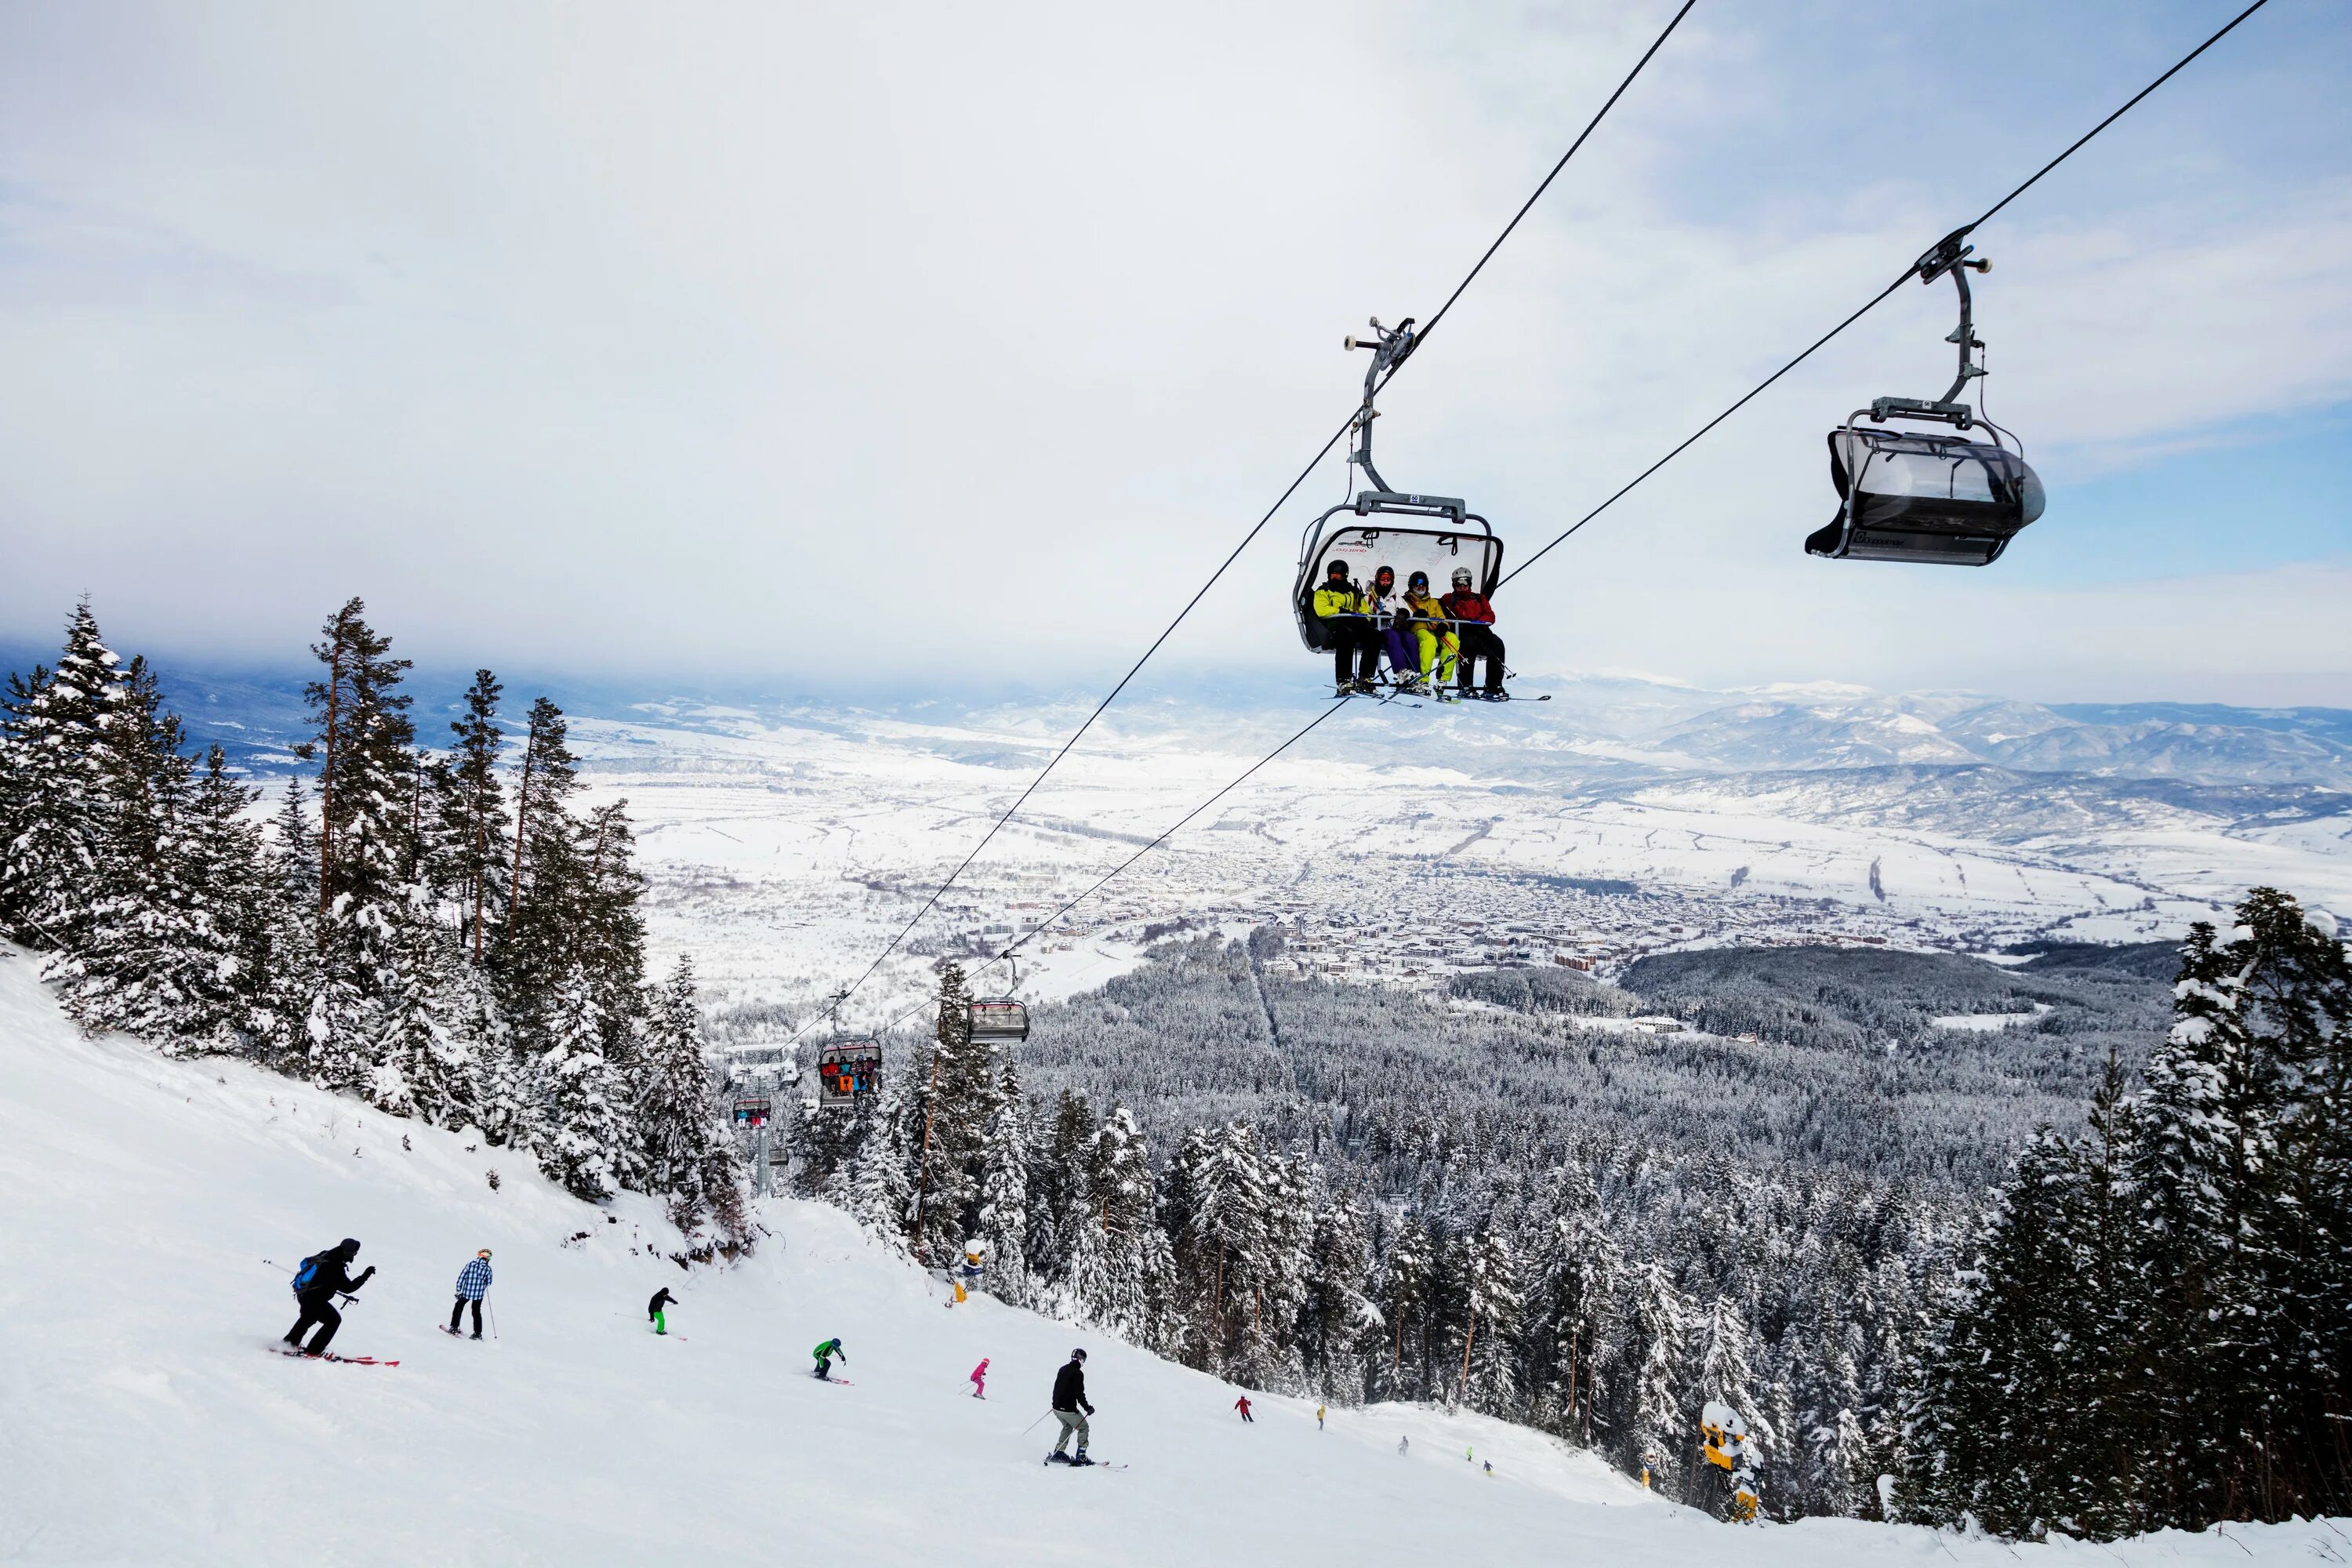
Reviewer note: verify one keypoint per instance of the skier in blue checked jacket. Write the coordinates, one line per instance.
(473, 1284)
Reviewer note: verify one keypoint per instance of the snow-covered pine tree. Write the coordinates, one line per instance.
(423, 1062)
(960, 1101)
(882, 1176)
(1659, 1328)
(1339, 1329)
(687, 1154)
(1058, 1189)
(544, 878)
(1107, 1283)
(362, 737)
(608, 928)
(474, 815)
(62, 725)
(578, 1097)
(1487, 1377)
(1004, 1192)
(1407, 1282)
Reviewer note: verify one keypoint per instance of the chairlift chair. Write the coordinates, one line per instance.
(998, 1017)
(848, 1071)
(1431, 533)
(1907, 495)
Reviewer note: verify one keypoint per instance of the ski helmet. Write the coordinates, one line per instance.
(1337, 569)
(1077, 1355)
(1461, 576)
(1418, 580)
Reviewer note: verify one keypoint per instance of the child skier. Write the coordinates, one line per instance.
(661, 1319)
(1241, 1404)
(824, 1355)
(1319, 1418)
(473, 1284)
(980, 1379)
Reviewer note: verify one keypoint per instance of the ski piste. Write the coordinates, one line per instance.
(329, 1355)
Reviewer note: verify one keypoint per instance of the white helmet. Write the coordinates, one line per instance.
(1461, 576)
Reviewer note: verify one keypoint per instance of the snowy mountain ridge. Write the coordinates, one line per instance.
(1592, 716)
(147, 1425)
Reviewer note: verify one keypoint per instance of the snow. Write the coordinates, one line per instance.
(1987, 1023)
(140, 1421)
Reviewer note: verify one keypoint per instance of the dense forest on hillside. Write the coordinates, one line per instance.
(439, 930)
(1506, 1194)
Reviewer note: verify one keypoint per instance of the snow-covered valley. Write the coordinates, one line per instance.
(787, 845)
(145, 1422)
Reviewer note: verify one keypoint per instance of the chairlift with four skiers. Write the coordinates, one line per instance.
(1362, 564)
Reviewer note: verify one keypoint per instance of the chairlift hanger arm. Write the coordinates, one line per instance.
(1391, 346)
(1952, 255)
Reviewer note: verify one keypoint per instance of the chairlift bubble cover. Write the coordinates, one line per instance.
(1907, 495)
(998, 1018)
(1365, 548)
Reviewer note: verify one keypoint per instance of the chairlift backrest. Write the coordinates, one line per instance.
(1436, 537)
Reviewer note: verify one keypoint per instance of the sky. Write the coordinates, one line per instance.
(802, 347)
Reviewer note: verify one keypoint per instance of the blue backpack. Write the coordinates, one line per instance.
(304, 1275)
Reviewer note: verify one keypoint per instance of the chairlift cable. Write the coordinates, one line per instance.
(1880, 297)
(1239, 779)
(1247, 539)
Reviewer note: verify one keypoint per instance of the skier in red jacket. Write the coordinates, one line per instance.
(1241, 1404)
(1477, 629)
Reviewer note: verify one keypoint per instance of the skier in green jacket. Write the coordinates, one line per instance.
(824, 1355)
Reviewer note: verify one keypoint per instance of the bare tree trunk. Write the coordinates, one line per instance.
(416, 820)
(327, 791)
(1464, 1395)
(481, 872)
(522, 817)
(923, 1171)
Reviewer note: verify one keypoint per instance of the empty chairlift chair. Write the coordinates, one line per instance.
(1911, 495)
(998, 1017)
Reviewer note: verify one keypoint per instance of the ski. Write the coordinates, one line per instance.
(329, 1355)
(843, 1381)
(1052, 1460)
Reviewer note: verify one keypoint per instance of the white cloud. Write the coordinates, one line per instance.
(964, 339)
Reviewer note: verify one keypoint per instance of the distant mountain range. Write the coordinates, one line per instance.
(1596, 727)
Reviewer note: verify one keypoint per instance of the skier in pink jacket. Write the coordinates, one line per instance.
(980, 1379)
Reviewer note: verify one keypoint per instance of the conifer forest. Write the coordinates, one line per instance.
(2082, 1276)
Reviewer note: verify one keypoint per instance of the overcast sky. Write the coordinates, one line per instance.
(781, 344)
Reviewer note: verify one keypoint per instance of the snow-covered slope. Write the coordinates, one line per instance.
(140, 1421)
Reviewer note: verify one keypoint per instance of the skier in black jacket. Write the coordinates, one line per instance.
(1069, 1398)
(330, 1277)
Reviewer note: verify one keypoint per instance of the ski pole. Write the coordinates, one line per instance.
(494, 1321)
(1033, 1425)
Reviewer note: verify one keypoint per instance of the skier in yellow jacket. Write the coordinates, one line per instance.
(1340, 606)
(1440, 647)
